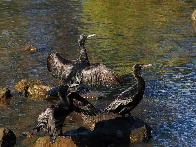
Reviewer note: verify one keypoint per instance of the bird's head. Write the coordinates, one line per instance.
(138, 67)
(83, 38)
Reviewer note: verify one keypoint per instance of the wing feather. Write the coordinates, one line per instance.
(99, 75)
(81, 105)
(60, 67)
(46, 122)
(125, 98)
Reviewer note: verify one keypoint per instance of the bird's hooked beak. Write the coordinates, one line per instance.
(146, 65)
(89, 36)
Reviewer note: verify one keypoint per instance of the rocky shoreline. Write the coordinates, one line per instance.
(104, 131)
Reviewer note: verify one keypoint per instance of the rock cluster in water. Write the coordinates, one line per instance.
(117, 131)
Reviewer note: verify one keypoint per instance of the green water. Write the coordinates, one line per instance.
(128, 32)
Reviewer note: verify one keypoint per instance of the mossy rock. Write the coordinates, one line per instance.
(60, 142)
(33, 89)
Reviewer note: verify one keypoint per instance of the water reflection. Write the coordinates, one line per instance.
(45, 24)
(128, 32)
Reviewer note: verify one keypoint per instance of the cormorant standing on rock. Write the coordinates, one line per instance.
(131, 97)
(51, 120)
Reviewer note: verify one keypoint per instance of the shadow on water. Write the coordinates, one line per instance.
(157, 32)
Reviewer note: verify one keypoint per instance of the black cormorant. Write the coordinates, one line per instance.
(80, 71)
(51, 120)
(131, 97)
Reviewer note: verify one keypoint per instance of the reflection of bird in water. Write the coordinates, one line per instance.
(81, 71)
(131, 97)
(52, 119)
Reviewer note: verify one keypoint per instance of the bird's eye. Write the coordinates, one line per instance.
(141, 66)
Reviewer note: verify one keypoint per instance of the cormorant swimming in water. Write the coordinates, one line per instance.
(131, 97)
(51, 120)
(81, 72)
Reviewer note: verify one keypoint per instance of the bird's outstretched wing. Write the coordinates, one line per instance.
(99, 75)
(81, 105)
(125, 98)
(60, 67)
(46, 122)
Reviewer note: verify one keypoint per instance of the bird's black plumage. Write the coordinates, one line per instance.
(61, 67)
(131, 97)
(81, 71)
(51, 120)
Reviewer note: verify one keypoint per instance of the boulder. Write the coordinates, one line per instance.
(117, 131)
(7, 137)
(130, 129)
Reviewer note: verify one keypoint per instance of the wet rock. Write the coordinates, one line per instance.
(118, 131)
(7, 137)
(60, 142)
(31, 48)
(129, 129)
(193, 19)
(33, 89)
(4, 95)
(22, 87)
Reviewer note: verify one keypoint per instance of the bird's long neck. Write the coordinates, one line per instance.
(83, 54)
(140, 82)
(66, 103)
(65, 100)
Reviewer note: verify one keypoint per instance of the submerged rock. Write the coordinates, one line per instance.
(33, 89)
(60, 142)
(7, 137)
(4, 95)
(31, 48)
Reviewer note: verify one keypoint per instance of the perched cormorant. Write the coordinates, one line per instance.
(131, 97)
(51, 120)
(81, 72)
